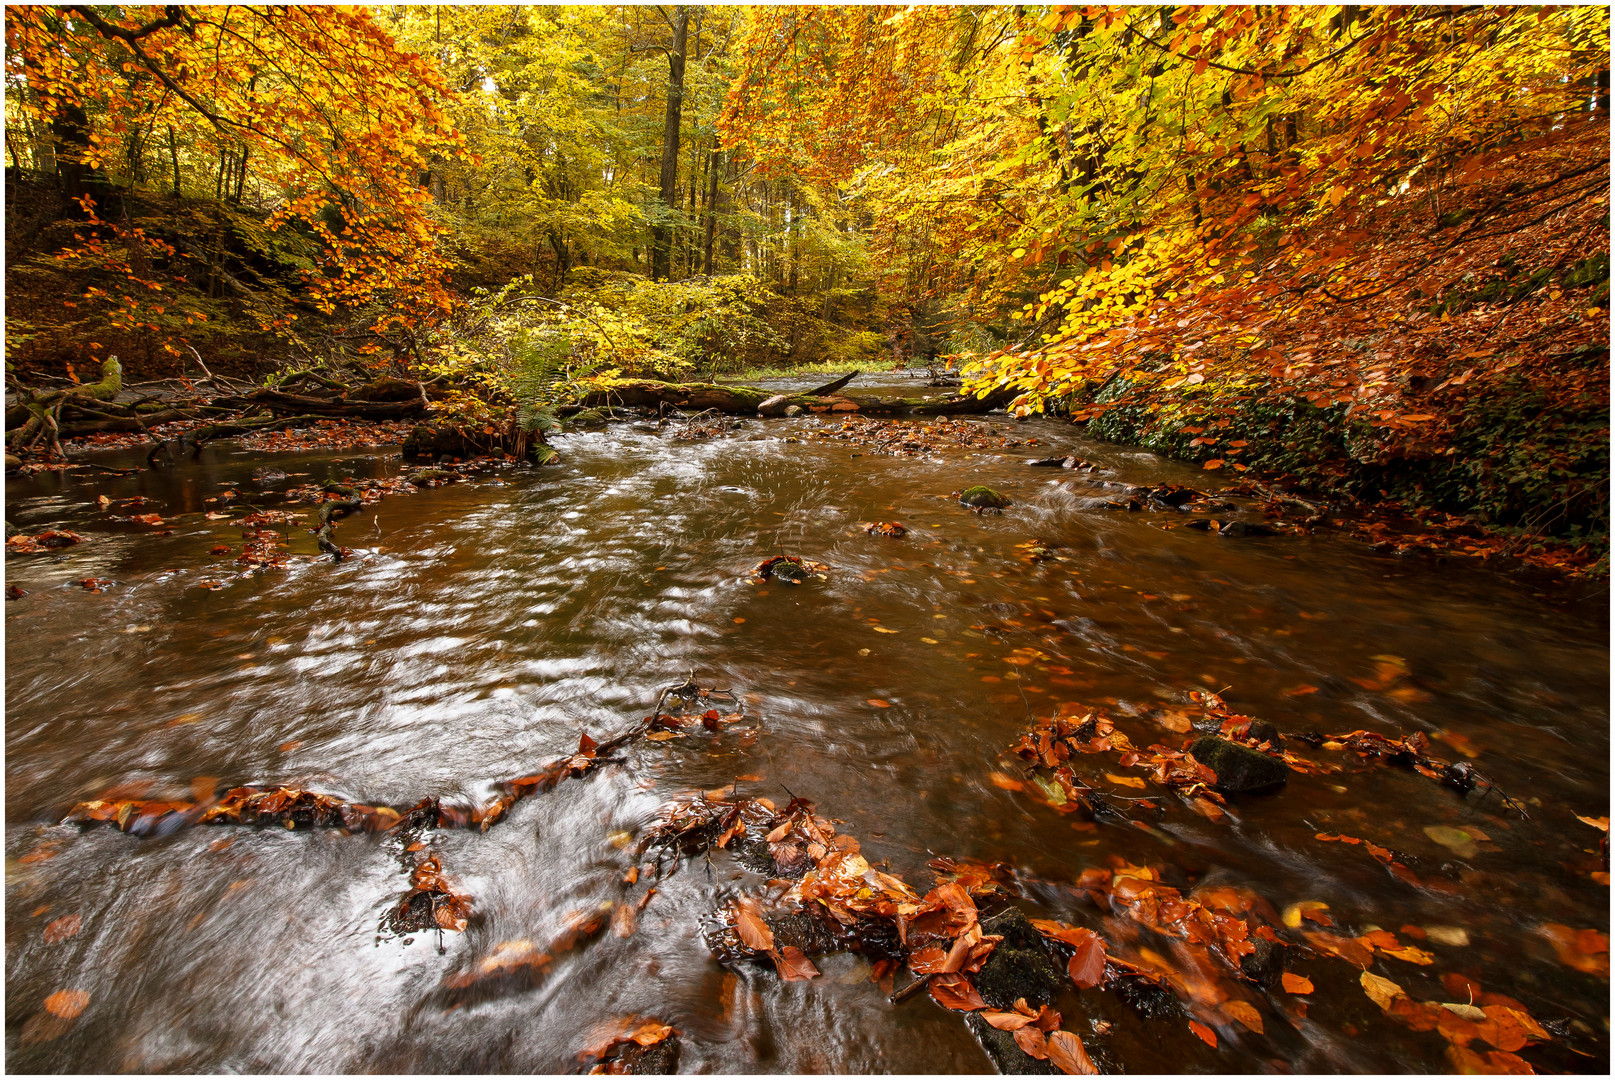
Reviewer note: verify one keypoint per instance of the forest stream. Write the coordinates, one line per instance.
(480, 628)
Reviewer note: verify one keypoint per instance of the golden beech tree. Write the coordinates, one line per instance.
(332, 121)
(1209, 199)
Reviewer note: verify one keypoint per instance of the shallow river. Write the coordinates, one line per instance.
(484, 625)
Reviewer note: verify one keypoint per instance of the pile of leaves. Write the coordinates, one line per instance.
(430, 902)
(48, 540)
(912, 438)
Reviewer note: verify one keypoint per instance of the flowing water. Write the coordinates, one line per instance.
(485, 625)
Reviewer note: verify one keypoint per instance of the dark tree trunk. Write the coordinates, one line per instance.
(714, 163)
(662, 236)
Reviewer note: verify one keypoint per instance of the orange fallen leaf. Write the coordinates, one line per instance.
(793, 965)
(1381, 992)
(1206, 1035)
(1032, 1042)
(1296, 984)
(61, 929)
(1067, 1053)
(1005, 781)
(879, 704)
(955, 992)
(1245, 1013)
(754, 932)
(67, 1003)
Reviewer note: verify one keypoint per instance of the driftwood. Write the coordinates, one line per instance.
(747, 399)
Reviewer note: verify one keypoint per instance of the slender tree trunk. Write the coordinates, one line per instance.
(662, 237)
(714, 162)
(173, 157)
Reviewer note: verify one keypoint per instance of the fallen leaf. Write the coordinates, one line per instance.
(67, 1004)
(61, 929)
(1412, 955)
(955, 992)
(1032, 1042)
(1068, 1055)
(1008, 783)
(1448, 935)
(1006, 1021)
(793, 965)
(1087, 964)
(1207, 1036)
(879, 704)
(1296, 984)
(1381, 992)
(751, 927)
(1245, 1013)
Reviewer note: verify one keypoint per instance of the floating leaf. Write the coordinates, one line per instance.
(1206, 1035)
(793, 965)
(1245, 1013)
(1381, 992)
(67, 1004)
(1296, 984)
(61, 929)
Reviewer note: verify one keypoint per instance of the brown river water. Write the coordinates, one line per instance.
(484, 625)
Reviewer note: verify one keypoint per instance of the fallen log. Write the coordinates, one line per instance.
(350, 406)
(648, 393)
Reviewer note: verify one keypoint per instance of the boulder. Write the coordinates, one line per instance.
(1239, 768)
(1018, 968)
(793, 410)
(982, 498)
(774, 406)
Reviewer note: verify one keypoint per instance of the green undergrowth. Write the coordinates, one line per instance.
(1509, 458)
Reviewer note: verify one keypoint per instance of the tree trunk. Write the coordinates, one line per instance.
(714, 163)
(662, 235)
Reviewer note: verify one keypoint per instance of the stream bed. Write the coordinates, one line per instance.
(483, 626)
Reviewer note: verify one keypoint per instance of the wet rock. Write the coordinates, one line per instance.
(13, 463)
(982, 498)
(1019, 967)
(1262, 731)
(803, 931)
(774, 406)
(1230, 528)
(1067, 462)
(1239, 768)
(658, 1059)
(1266, 964)
(1145, 996)
(1169, 495)
(1007, 1058)
(793, 410)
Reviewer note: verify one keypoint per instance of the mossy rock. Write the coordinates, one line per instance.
(1239, 768)
(982, 498)
(1019, 967)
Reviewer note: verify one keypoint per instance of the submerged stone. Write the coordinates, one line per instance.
(1239, 768)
